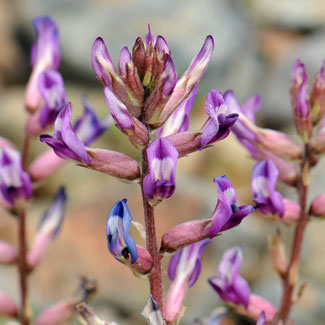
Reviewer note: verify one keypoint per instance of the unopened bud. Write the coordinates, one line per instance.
(8, 254)
(292, 211)
(57, 314)
(45, 165)
(113, 163)
(143, 264)
(279, 143)
(276, 249)
(317, 97)
(186, 142)
(185, 234)
(256, 306)
(7, 306)
(318, 205)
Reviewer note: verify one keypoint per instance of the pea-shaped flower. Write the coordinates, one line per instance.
(264, 178)
(160, 183)
(120, 244)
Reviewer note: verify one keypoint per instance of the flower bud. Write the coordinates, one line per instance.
(317, 97)
(59, 313)
(8, 254)
(318, 205)
(279, 143)
(113, 163)
(186, 142)
(276, 250)
(257, 305)
(7, 306)
(45, 165)
(292, 211)
(143, 264)
(185, 234)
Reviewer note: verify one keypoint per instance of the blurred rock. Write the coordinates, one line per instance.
(184, 27)
(302, 14)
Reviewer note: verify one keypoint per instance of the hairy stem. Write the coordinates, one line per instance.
(149, 217)
(23, 269)
(290, 277)
(25, 150)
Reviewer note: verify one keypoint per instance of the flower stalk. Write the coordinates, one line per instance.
(291, 275)
(23, 269)
(151, 239)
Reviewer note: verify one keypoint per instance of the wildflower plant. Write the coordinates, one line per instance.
(151, 106)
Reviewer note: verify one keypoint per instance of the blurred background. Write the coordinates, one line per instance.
(256, 44)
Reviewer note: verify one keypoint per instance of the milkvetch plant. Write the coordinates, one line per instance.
(151, 106)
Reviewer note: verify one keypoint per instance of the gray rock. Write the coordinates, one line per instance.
(184, 27)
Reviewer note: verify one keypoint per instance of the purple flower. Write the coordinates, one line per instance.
(264, 178)
(45, 54)
(120, 244)
(88, 127)
(65, 142)
(15, 183)
(243, 127)
(160, 183)
(217, 126)
(51, 87)
(227, 214)
(129, 125)
(186, 264)
(179, 121)
(230, 286)
(69, 142)
(184, 270)
(48, 228)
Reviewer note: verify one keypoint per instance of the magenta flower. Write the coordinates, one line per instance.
(160, 183)
(227, 214)
(229, 285)
(45, 54)
(264, 178)
(217, 126)
(15, 183)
